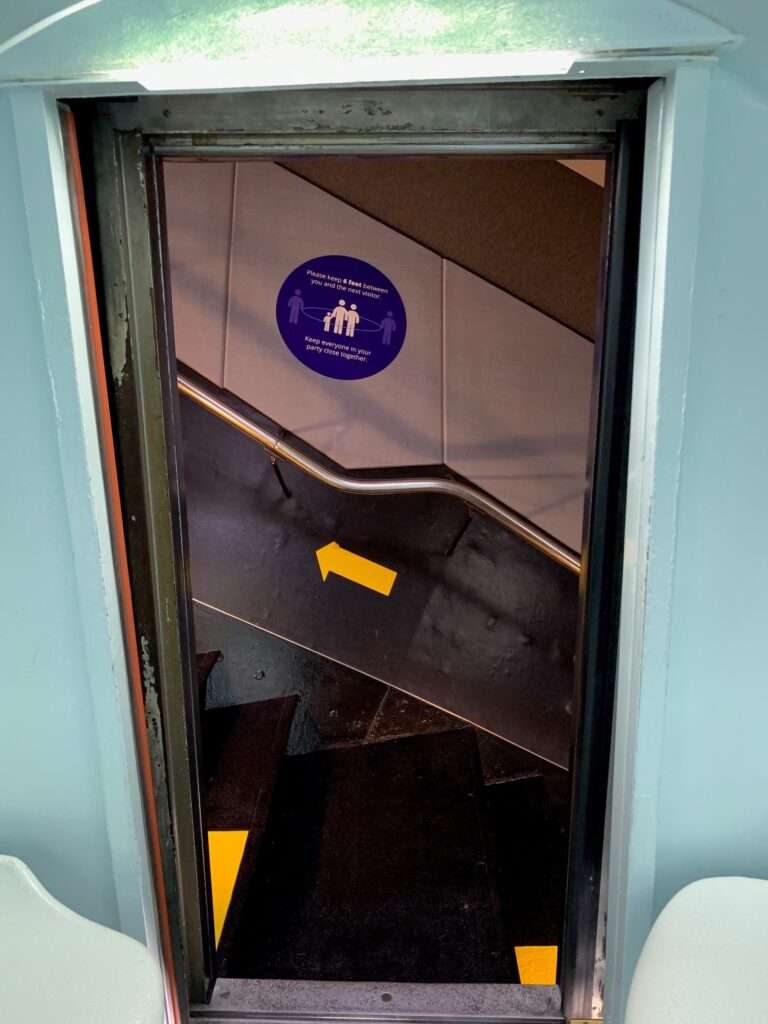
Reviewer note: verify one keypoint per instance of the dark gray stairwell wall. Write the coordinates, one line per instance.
(336, 706)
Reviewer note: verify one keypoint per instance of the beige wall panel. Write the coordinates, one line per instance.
(392, 418)
(198, 202)
(518, 387)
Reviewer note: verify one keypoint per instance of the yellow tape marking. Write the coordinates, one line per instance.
(537, 964)
(225, 852)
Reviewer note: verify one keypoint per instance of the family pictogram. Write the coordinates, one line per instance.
(345, 320)
(341, 317)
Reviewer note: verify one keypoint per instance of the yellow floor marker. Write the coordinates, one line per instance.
(225, 851)
(338, 560)
(537, 964)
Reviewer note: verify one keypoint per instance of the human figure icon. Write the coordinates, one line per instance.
(295, 304)
(327, 321)
(387, 326)
(353, 319)
(340, 315)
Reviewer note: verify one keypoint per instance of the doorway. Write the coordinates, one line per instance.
(370, 736)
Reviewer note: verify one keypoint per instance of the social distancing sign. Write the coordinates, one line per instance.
(341, 317)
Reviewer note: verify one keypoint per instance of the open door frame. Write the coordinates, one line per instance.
(601, 574)
(122, 143)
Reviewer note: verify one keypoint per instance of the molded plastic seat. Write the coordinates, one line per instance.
(705, 958)
(57, 967)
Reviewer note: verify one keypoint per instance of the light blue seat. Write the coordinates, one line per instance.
(706, 957)
(57, 967)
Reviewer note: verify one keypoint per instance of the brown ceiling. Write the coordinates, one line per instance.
(530, 226)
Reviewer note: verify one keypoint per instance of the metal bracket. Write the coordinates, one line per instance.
(465, 526)
(280, 478)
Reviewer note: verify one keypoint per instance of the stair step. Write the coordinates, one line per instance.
(504, 762)
(529, 818)
(205, 662)
(340, 702)
(242, 747)
(375, 864)
(403, 715)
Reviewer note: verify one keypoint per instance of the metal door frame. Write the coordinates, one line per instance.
(123, 143)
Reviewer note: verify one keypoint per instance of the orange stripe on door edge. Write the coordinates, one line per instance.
(120, 553)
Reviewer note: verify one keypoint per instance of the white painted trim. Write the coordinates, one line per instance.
(480, 69)
(676, 131)
(44, 23)
(53, 248)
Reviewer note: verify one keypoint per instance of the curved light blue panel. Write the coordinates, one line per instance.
(58, 965)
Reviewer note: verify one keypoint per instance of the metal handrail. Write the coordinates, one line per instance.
(476, 499)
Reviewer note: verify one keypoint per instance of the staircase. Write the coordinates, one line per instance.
(404, 846)
(387, 785)
(387, 744)
(479, 623)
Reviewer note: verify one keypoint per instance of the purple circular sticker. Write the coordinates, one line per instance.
(341, 317)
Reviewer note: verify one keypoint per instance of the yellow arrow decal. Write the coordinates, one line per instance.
(333, 558)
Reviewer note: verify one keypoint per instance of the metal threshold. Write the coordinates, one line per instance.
(240, 999)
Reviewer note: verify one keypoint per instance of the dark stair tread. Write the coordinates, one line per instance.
(342, 703)
(529, 819)
(400, 714)
(205, 662)
(242, 748)
(347, 708)
(374, 866)
(503, 761)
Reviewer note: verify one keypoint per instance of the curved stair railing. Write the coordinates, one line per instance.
(471, 496)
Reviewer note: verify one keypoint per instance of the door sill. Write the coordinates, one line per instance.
(246, 999)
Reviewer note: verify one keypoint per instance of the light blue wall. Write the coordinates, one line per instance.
(713, 815)
(52, 811)
(692, 801)
(67, 800)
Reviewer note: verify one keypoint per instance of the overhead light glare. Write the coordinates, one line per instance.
(293, 67)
